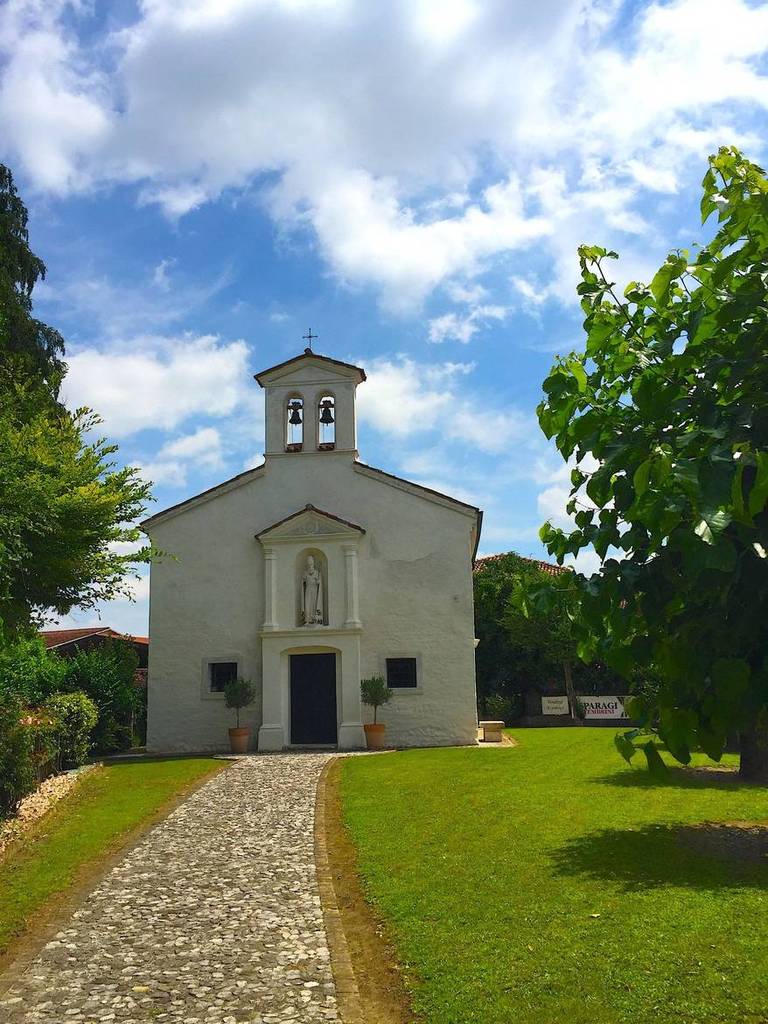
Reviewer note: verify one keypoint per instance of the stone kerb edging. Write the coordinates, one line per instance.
(347, 992)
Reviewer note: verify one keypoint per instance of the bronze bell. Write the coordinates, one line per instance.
(326, 415)
(295, 417)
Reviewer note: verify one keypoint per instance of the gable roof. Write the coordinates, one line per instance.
(310, 508)
(234, 481)
(426, 492)
(60, 637)
(307, 354)
(373, 470)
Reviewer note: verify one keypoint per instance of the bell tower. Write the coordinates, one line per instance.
(310, 406)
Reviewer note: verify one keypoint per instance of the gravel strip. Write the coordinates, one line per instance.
(36, 804)
(214, 918)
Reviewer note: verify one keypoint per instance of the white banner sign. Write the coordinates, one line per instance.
(604, 707)
(554, 706)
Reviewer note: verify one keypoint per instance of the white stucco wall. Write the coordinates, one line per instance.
(415, 597)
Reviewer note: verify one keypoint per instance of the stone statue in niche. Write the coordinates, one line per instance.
(311, 594)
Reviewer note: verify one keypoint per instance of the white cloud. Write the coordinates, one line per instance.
(158, 382)
(170, 472)
(403, 398)
(253, 460)
(555, 476)
(419, 148)
(54, 106)
(126, 547)
(531, 291)
(202, 447)
(160, 277)
(470, 293)
(551, 502)
(586, 562)
(367, 235)
(463, 327)
(116, 310)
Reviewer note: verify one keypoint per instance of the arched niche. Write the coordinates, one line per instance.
(305, 586)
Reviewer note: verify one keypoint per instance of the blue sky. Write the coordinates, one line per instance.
(206, 180)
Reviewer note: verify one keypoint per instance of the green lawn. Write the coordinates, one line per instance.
(93, 821)
(551, 883)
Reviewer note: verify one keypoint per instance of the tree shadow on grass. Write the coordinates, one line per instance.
(681, 778)
(704, 856)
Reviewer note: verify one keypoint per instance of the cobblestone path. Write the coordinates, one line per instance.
(214, 918)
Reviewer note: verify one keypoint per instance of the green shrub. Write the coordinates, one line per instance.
(239, 693)
(375, 692)
(31, 674)
(17, 762)
(75, 716)
(106, 675)
(28, 671)
(44, 730)
(503, 709)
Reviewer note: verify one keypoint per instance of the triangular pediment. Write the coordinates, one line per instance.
(310, 366)
(310, 522)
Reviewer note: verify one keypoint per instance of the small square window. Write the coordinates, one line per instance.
(401, 673)
(220, 673)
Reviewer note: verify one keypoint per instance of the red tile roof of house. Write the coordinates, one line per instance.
(59, 637)
(547, 567)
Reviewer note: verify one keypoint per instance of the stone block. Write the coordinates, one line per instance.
(492, 731)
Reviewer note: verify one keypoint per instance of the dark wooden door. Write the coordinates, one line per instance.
(313, 698)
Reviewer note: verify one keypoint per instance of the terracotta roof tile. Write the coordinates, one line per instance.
(547, 567)
(58, 637)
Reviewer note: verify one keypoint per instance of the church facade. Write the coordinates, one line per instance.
(306, 574)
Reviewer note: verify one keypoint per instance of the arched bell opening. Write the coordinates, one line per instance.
(326, 423)
(294, 423)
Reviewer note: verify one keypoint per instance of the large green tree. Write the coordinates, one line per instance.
(524, 646)
(665, 416)
(28, 348)
(65, 508)
(509, 660)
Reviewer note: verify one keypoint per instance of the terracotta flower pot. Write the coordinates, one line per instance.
(374, 735)
(238, 739)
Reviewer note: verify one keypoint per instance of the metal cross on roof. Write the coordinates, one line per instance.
(309, 337)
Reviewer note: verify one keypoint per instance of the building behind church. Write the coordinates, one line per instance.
(306, 574)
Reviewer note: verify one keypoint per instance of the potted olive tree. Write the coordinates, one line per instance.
(375, 693)
(238, 694)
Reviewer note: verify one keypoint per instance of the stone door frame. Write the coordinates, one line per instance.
(276, 648)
